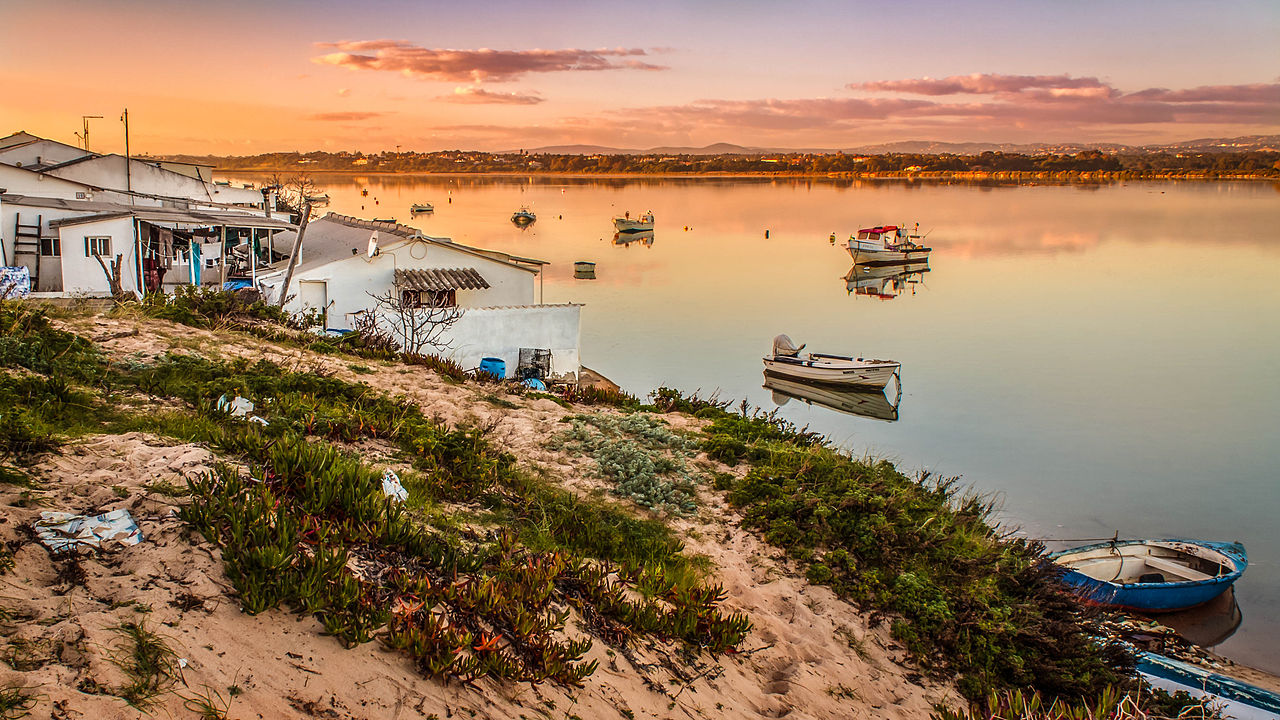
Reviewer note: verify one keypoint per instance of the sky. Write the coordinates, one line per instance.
(235, 77)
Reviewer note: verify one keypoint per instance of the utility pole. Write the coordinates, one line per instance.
(128, 180)
(85, 137)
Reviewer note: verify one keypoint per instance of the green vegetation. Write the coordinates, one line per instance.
(149, 664)
(639, 455)
(462, 602)
(964, 598)
(1110, 704)
(1126, 163)
(15, 702)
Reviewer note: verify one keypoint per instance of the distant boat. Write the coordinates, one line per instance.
(627, 225)
(1152, 575)
(862, 402)
(831, 369)
(884, 282)
(318, 199)
(421, 208)
(886, 245)
(385, 220)
(523, 216)
(584, 270)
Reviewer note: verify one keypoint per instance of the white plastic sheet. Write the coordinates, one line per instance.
(64, 532)
(391, 486)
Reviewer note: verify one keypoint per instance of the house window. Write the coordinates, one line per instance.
(50, 246)
(82, 196)
(428, 298)
(97, 246)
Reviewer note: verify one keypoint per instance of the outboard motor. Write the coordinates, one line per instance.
(782, 345)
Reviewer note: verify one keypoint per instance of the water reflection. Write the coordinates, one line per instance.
(626, 239)
(885, 282)
(861, 402)
(1209, 624)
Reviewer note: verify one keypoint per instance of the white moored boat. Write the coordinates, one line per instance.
(835, 369)
(626, 224)
(886, 245)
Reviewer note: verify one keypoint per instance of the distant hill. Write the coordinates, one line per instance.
(934, 147)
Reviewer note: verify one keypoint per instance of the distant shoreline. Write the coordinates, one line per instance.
(1002, 175)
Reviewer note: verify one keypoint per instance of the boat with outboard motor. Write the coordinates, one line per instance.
(823, 368)
(887, 245)
(418, 208)
(523, 216)
(626, 224)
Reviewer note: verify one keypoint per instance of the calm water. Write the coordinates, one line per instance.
(1103, 357)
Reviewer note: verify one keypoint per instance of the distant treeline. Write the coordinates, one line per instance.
(1237, 164)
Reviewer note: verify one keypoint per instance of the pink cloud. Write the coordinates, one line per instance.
(482, 96)
(475, 65)
(346, 116)
(981, 84)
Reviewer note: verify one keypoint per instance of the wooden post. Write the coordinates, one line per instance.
(293, 257)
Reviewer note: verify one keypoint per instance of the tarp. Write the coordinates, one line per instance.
(15, 282)
(391, 486)
(64, 532)
(782, 345)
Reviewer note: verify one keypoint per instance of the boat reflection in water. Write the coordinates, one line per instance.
(627, 239)
(885, 282)
(1209, 624)
(853, 401)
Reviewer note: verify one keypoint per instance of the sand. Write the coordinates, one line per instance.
(810, 655)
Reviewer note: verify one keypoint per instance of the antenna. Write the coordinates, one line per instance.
(85, 137)
(373, 244)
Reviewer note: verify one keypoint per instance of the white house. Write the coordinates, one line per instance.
(59, 241)
(345, 261)
(22, 149)
(149, 177)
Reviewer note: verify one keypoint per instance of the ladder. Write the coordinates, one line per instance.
(26, 241)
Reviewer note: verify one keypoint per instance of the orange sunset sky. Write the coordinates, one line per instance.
(235, 77)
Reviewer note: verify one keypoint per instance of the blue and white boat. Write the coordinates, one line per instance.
(1152, 575)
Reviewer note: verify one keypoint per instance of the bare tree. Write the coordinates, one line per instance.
(295, 193)
(412, 326)
(113, 275)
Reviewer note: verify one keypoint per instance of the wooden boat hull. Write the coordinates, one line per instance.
(872, 257)
(421, 208)
(624, 225)
(874, 374)
(1240, 699)
(862, 402)
(1081, 567)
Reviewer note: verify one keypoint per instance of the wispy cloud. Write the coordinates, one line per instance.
(346, 116)
(986, 84)
(481, 96)
(482, 65)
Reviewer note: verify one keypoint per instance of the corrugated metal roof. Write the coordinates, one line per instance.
(103, 211)
(438, 279)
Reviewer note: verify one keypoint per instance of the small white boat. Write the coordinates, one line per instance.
(853, 400)
(523, 216)
(421, 208)
(833, 369)
(626, 224)
(886, 245)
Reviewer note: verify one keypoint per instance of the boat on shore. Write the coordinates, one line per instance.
(1152, 575)
(417, 208)
(523, 216)
(626, 224)
(886, 245)
(830, 369)
(862, 402)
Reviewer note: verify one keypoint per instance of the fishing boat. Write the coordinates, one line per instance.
(862, 402)
(523, 216)
(318, 199)
(832, 369)
(421, 208)
(584, 270)
(626, 224)
(887, 245)
(1236, 698)
(1152, 575)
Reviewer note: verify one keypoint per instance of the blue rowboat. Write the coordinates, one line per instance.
(1152, 575)
(1238, 699)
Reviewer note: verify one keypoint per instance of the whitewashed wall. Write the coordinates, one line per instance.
(348, 282)
(50, 267)
(83, 275)
(501, 332)
(108, 171)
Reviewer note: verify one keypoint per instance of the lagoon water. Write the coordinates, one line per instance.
(1105, 357)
